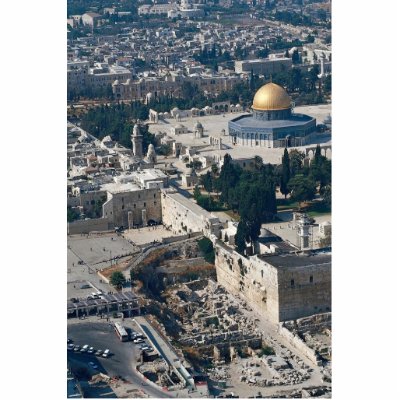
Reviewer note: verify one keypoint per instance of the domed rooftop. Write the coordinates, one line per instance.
(198, 125)
(271, 97)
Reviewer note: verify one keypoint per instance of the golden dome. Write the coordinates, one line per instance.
(271, 97)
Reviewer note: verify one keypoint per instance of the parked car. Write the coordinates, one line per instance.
(85, 286)
(98, 353)
(106, 353)
(77, 347)
(139, 340)
(90, 350)
(69, 341)
(85, 348)
(70, 347)
(93, 365)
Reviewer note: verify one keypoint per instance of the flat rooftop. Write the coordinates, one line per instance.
(151, 173)
(120, 187)
(298, 260)
(105, 299)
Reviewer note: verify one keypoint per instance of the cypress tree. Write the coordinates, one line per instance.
(285, 173)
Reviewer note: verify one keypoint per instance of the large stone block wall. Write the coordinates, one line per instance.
(118, 205)
(256, 281)
(88, 225)
(181, 219)
(269, 289)
(304, 298)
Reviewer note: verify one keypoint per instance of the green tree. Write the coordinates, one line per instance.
(326, 195)
(296, 59)
(240, 237)
(197, 164)
(207, 181)
(117, 279)
(214, 169)
(164, 150)
(207, 248)
(328, 84)
(296, 161)
(302, 188)
(189, 90)
(320, 169)
(258, 161)
(196, 192)
(133, 274)
(285, 173)
(72, 215)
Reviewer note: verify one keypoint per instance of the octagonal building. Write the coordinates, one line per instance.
(272, 123)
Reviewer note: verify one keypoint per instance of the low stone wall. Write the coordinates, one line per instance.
(174, 239)
(148, 381)
(88, 225)
(298, 344)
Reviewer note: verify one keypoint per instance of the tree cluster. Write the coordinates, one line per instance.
(250, 193)
(72, 215)
(117, 120)
(300, 181)
(213, 56)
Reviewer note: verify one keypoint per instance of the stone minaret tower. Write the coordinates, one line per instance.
(137, 141)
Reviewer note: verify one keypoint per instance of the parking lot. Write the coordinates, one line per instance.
(123, 357)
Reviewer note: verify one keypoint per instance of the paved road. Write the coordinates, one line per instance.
(162, 346)
(101, 335)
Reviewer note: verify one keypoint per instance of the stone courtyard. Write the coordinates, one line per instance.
(217, 127)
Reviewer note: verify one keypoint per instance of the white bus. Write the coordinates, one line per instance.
(121, 332)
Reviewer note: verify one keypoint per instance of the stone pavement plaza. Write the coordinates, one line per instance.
(213, 126)
(147, 234)
(94, 252)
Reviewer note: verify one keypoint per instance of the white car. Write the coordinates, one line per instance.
(91, 350)
(85, 348)
(138, 341)
(106, 353)
(93, 365)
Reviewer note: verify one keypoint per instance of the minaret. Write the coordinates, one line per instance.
(137, 140)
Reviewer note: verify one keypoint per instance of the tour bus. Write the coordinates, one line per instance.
(121, 332)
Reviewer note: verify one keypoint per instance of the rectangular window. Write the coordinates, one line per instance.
(155, 203)
(134, 206)
(292, 283)
(311, 279)
(122, 207)
(144, 204)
